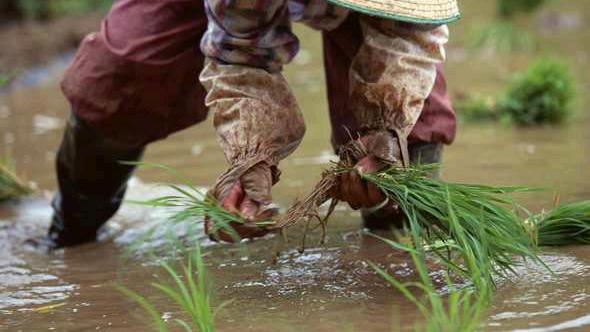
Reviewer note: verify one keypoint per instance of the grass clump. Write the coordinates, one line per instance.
(541, 95)
(192, 295)
(565, 225)
(11, 187)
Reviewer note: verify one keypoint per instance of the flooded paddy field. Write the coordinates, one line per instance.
(271, 286)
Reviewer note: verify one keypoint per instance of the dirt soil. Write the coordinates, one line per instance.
(28, 44)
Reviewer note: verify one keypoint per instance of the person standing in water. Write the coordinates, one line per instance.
(135, 82)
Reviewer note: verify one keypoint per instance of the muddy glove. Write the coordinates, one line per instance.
(371, 153)
(258, 124)
(390, 78)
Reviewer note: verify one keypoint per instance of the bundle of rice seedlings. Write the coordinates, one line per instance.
(565, 225)
(483, 220)
(11, 187)
(191, 293)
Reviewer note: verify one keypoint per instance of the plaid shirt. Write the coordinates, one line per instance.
(258, 32)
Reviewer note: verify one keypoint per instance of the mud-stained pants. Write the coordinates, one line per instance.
(136, 81)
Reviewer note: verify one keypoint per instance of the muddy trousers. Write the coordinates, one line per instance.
(136, 81)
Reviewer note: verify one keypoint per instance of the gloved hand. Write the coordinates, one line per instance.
(371, 153)
(248, 196)
(258, 123)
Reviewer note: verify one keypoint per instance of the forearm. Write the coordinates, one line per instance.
(393, 74)
(255, 112)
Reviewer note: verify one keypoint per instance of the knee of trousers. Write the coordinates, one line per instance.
(134, 102)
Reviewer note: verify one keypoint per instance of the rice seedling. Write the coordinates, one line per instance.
(11, 187)
(565, 225)
(464, 308)
(191, 294)
(192, 204)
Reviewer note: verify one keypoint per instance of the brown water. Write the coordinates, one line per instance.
(328, 288)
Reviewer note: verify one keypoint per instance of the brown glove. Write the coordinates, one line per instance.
(371, 153)
(248, 196)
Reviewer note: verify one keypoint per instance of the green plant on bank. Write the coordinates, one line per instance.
(11, 187)
(47, 9)
(189, 289)
(565, 225)
(541, 95)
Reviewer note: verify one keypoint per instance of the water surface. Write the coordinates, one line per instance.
(272, 286)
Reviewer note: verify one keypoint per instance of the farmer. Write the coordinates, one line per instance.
(137, 80)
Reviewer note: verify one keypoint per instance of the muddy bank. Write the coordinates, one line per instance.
(29, 44)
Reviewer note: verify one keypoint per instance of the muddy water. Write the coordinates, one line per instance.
(328, 288)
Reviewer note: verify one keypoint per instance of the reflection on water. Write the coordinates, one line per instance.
(273, 287)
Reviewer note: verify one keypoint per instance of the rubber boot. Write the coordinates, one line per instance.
(92, 182)
(386, 218)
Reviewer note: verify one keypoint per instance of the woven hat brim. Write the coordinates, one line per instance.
(415, 11)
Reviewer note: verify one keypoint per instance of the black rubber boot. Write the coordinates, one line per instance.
(92, 182)
(387, 218)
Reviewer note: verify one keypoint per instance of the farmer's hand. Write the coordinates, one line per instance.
(379, 150)
(249, 197)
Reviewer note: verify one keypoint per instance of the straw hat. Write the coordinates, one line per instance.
(416, 11)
